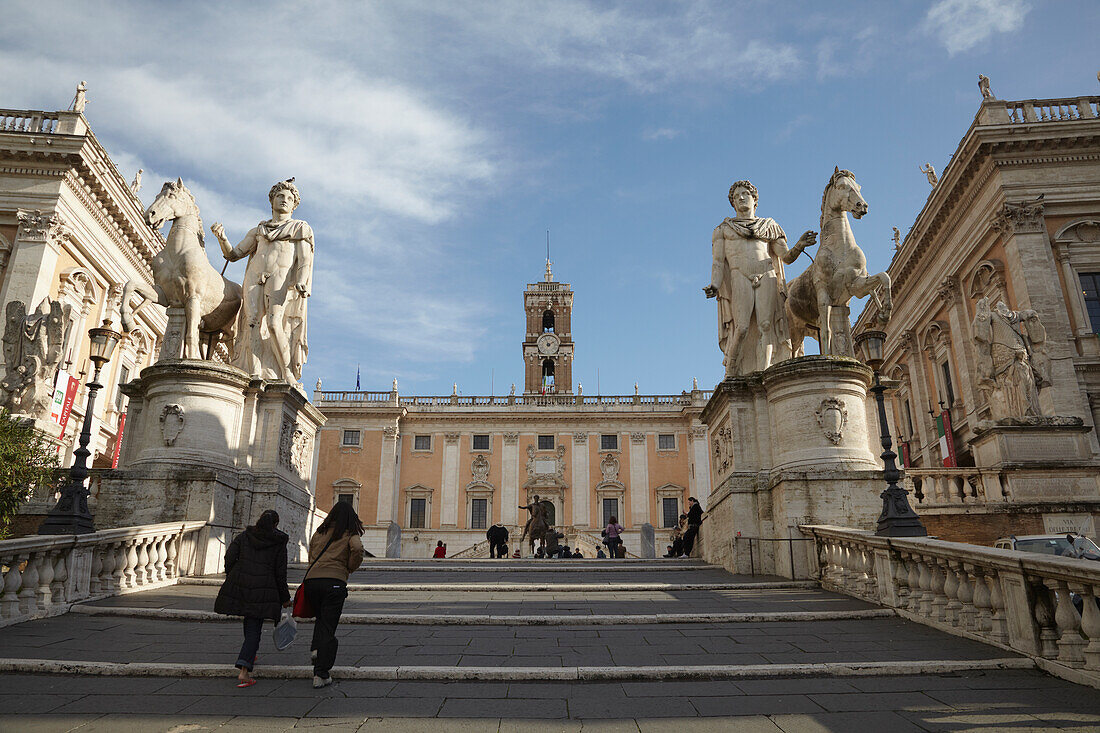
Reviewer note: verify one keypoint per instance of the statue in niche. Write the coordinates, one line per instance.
(1013, 365)
(748, 254)
(32, 352)
(271, 343)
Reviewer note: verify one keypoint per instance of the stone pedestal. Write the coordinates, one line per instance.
(1039, 458)
(789, 446)
(203, 441)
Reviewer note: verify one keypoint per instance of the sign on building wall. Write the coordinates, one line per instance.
(1065, 523)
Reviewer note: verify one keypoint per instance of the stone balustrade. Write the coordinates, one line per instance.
(45, 575)
(1053, 110)
(24, 120)
(1015, 600)
(954, 486)
(328, 398)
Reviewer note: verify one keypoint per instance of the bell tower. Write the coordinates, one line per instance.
(548, 346)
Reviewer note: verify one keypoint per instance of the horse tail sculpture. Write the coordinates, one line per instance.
(125, 312)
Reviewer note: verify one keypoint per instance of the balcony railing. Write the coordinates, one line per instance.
(1053, 110)
(25, 120)
(1015, 600)
(698, 397)
(954, 486)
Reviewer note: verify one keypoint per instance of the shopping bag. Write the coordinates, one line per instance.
(302, 609)
(285, 630)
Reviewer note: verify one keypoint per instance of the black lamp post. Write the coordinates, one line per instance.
(897, 518)
(70, 515)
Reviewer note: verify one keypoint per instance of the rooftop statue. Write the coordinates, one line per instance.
(1013, 365)
(748, 254)
(897, 239)
(983, 87)
(135, 185)
(184, 278)
(930, 173)
(837, 274)
(277, 283)
(79, 99)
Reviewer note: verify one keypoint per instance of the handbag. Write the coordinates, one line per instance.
(302, 607)
(285, 630)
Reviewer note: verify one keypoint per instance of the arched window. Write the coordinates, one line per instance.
(548, 321)
(547, 372)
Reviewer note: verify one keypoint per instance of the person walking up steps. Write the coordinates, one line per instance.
(255, 585)
(335, 550)
(694, 520)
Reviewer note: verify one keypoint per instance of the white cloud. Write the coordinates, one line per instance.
(661, 133)
(960, 25)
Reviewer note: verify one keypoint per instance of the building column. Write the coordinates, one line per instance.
(951, 293)
(387, 477)
(921, 402)
(1076, 297)
(699, 481)
(34, 257)
(639, 480)
(580, 488)
(448, 512)
(509, 480)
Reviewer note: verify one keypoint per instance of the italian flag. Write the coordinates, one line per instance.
(947, 439)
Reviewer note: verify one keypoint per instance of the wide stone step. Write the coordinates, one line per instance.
(390, 584)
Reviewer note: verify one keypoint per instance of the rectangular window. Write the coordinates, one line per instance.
(481, 442)
(946, 369)
(123, 378)
(609, 442)
(666, 441)
(351, 437)
(546, 442)
(479, 514)
(417, 510)
(610, 509)
(1090, 288)
(422, 442)
(670, 511)
(348, 498)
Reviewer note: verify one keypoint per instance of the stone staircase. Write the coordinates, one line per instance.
(494, 642)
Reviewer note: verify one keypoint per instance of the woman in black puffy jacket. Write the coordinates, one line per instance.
(255, 585)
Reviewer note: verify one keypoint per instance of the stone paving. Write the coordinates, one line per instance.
(646, 680)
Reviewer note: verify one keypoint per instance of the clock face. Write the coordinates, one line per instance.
(548, 344)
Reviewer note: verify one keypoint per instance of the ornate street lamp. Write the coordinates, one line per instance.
(897, 518)
(70, 515)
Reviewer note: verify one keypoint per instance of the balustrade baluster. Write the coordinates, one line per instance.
(162, 555)
(129, 567)
(119, 552)
(151, 560)
(950, 592)
(983, 606)
(1090, 624)
(939, 597)
(998, 624)
(28, 603)
(1044, 617)
(141, 562)
(95, 581)
(1071, 643)
(43, 593)
(61, 577)
(915, 592)
(173, 548)
(926, 596)
(965, 593)
(13, 581)
(901, 580)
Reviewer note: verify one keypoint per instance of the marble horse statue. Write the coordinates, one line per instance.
(837, 274)
(184, 278)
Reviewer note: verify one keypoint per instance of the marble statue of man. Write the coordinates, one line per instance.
(930, 173)
(271, 335)
(135, 185)
(748, 254)
(80, 99)
(983, 87)
(897, 239)
(1012, 361)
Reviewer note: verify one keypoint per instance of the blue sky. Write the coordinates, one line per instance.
(435, 143)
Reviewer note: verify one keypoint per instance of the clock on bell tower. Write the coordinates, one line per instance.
(548, 346)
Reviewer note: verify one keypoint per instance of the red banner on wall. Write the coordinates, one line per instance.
(118, 440)
(64, 395)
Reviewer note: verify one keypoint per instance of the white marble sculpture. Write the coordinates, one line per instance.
(983, 87)
(135, 185)
(33, 344)
(184, 278)
(79, 99)
(837, 274)
(897, 239)
(271, 343)
(930, 173)
(1012, 361)
(748, 254)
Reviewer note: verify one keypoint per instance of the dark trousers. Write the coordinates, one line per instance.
(252, 629)
(498, 550)
(689, 538)
(612, 546)
(678, 547)
(326, 596)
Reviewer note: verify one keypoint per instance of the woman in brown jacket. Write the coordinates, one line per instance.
(335, 551)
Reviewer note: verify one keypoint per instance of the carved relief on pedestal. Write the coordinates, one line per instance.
(300, 451)
(722, 449)
(1026, 216)
(286, 442)
(171, 423)
(832, 416)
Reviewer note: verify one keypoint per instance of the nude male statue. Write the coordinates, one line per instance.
(271, 338)
(748, 254)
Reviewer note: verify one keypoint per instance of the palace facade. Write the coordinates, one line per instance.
(447, 467)
(1015, 217)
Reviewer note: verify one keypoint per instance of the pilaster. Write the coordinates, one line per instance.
(387, 483)
(449, 482)
(34, 257)
(639, 479)
(581, 487)
(509, 481)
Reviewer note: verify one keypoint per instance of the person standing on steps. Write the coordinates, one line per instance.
(611, 536)
(335, 551)
(498, 540)
(440, 550)
(694, 519)
(255, 585)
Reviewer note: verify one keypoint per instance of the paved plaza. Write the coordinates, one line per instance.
(633, 652)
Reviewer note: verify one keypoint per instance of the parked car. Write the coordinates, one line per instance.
(1061, 545)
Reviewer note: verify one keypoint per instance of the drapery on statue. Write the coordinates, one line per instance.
(747, 258)
(32, 353)
(537, 522)
(929, 173)
(184, 278)
(837, 274)
(1012, 361)
(277, 284)
(983, 87)
(80, 99)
